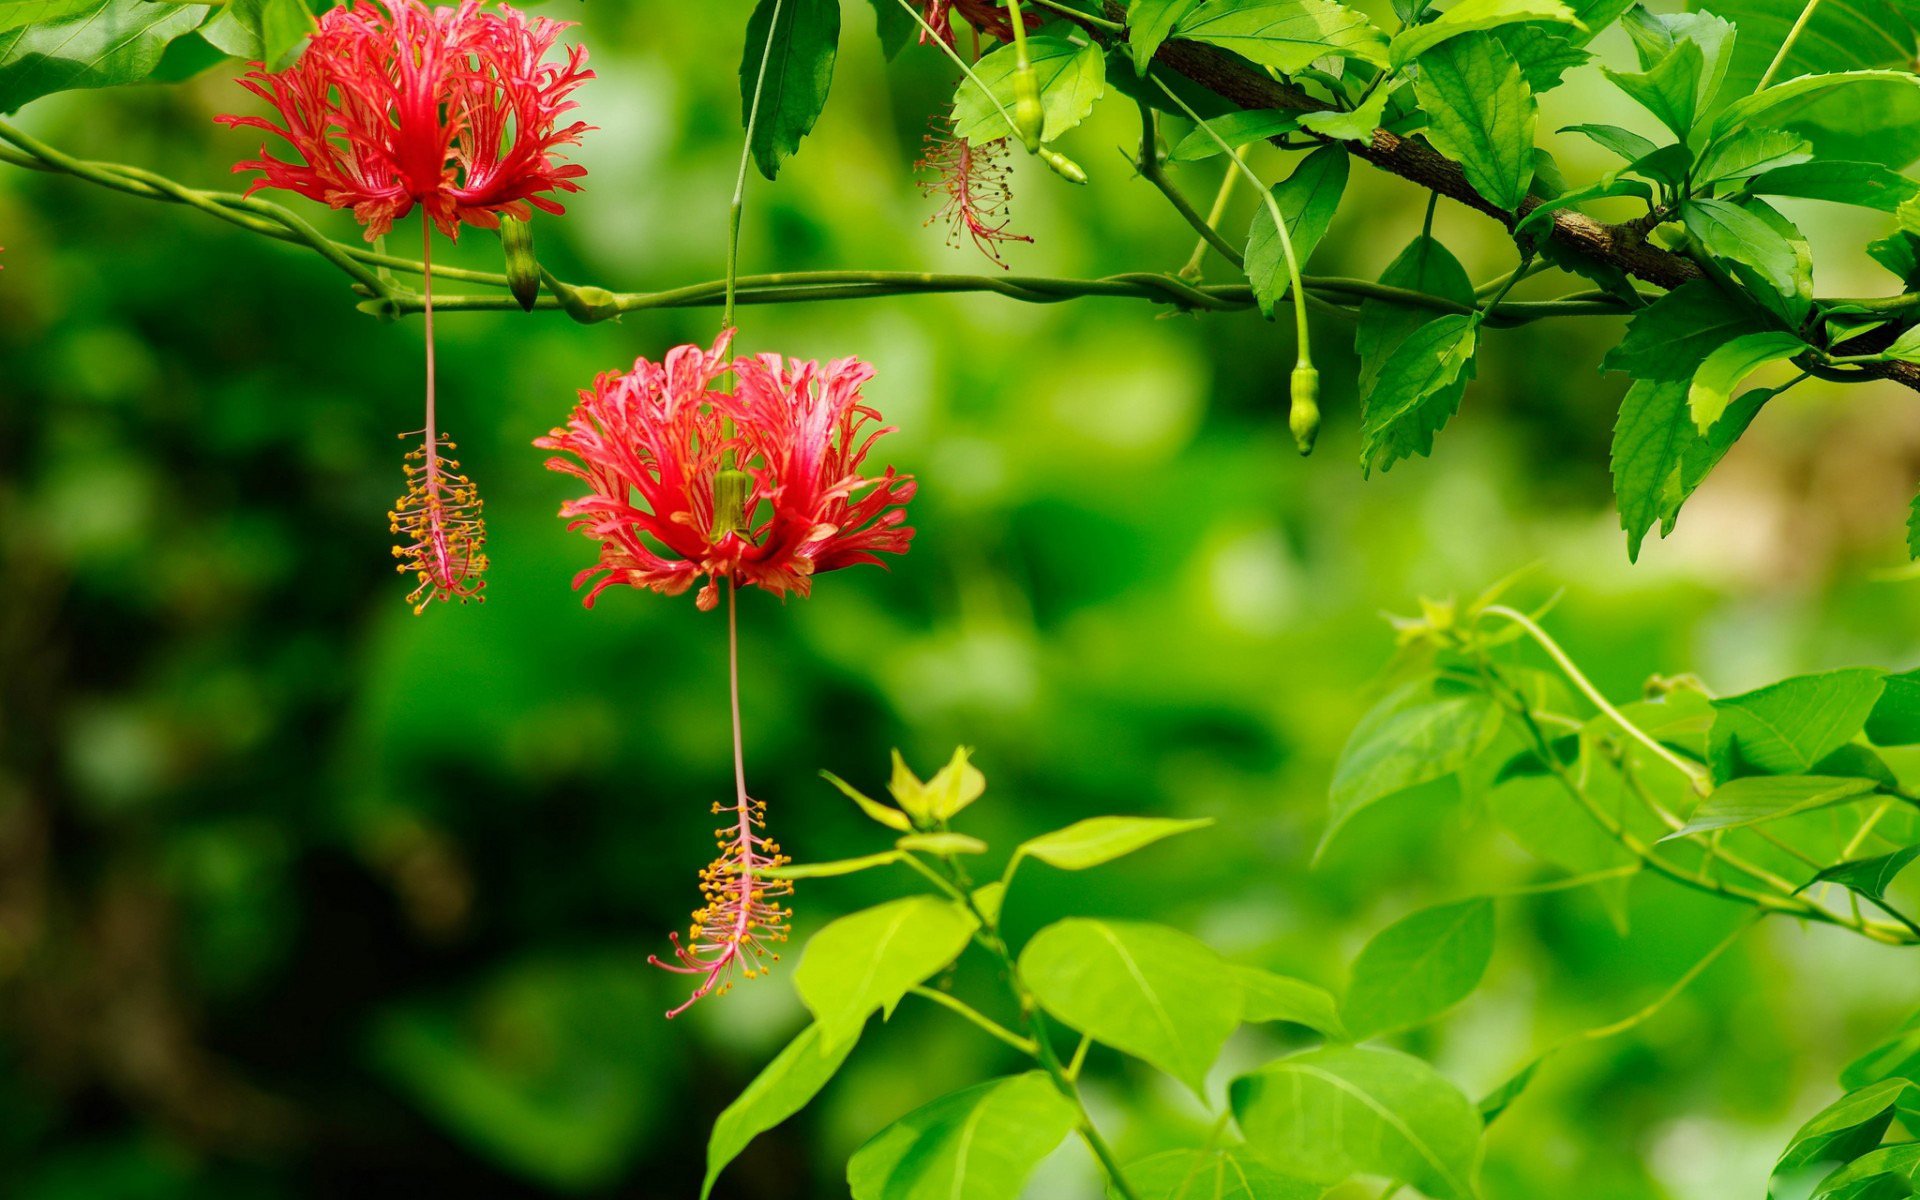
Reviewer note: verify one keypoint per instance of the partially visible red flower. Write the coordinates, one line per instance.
(986, 16)
(760, 486)
(973, 183)
(394, 103)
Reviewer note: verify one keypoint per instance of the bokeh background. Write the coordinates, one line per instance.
(303, 895)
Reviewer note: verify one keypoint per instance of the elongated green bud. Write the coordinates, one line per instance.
(731, 487)
(523, 269)
(1303, 417)
(1029, 118)
(1063, 166)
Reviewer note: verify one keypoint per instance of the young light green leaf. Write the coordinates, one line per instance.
(1414, 736)
(797, 40)
(841, 866)
(1418, 967)
(1480, 113)
(1071, 78)
(1418, 390)
(1226, 1173)
(1501, 1098)
(977, 1144)
(1286, 35)
(1469, 16)
(1424, 266)
(1355, 125)
(1871, 877)
(988, 898)
(1149, 22)
(1099, 840)
(1861, 184)
(952, 788)
(1789, 727)
(1236, 129)
(1332, 1113)
(1728, 366)
(1670, 338)
(1271, 997)
(1148, 990)
(892, 818)
(107, 45)
(793, 1078)
(1307, 199)
(1755, 799)
(1660, 457)
(872, 958)
(1671, 89)
(942, 844)
(1748, 152)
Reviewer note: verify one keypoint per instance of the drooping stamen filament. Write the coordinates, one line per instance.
(973, 181)
(442, 534)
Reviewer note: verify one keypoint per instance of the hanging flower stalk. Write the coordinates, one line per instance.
(972, 184)
(756, 484)
(396, 104)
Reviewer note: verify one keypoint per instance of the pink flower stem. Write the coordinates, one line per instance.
(426, 299)
(742, 921)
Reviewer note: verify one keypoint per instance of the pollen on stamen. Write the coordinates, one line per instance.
(442, 536)
(740, 919)
(971, 181)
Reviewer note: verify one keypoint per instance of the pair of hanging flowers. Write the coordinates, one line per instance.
(746, 470)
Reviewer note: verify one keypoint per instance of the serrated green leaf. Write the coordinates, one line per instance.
(1149, 22)
(1147, 990)
(1418, 967)
(1861, 184)
(1660, 457)
(870, 959)
(1287, 35)
(1308, 200)
(119, 42)
(1469, 16)
(1755, 799)
(1670, 338)
(797, 41)
(1671, 90)
(1728, 367)
(1480, 113)
(977, 1144)
(1236, 129)
(1772, 107)
(794, 1077)
(1271, 997)
(1742, 238)
(1895, 719)
(1414, 736)
(1354, 125)
(1098, 840)
(1789, 727)
(1333, 1113)
(1070, 78)
(1544, 53)
(1424, 266)
(1418, 390)
(1230, 1173)
(1748, 152)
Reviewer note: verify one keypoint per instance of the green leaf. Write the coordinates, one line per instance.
(892, 818)
(1861, 184)
(1333, 1113)
(1148, 990)
(871, 959)
(794, 1077)
(1071, 78)
(1671, 90)
(1748, 152)
(798, 50)
(977, 1144)
(1414, 736)
(952, 788)
(1286, 35)
(116, 43)
(1355, 125)
(1774, 106)
(1888, 1173)
(1469, 16)
(1418, 390)
(1424, 266)
(1660, 457)
(1628, 145)
(1307, 199)
(1098, 840)
(1418, 967)
(1895, 719)
(1871, 877)
(942, 844)
(17, 13)
(1544, 53)
(1271, 997)
(1896, 1058)
(1236, 129)
(269, 31)
(1230, 1173)
(1744, 239)
(1670, 338)
(1480, 113)
(1729, 365)
(895, 25)
(1149, 22)
(1836, 37)
(841, 866)
(1789, 727)
(1754, 799)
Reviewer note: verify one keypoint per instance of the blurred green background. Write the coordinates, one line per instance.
(303, 895)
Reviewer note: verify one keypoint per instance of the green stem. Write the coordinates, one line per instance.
(740, 180)
(1780, 56)
(1195, 263)
(1601, 1032)
(992, 1027)
(1151, 170)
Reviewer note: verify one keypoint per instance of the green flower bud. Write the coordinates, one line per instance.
(731, 488)
(1029, 118)
(1063, 166)
(1303, 417)
(523, 270)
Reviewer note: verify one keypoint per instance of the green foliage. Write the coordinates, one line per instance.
(1071, 78)
(1418, 967)
(1307, 199)
(102, 45)
(976, 1144)
(268, 31)
(1480, 113)
(870, 959)
(1146, 989)
(1270, 997)
(1419, 734)
(1793, 725)
(787, 66)
(1229, 1174)
(1286, 35)
(793, 1078)
(1755, 799)
(1711, 392)
(1470, 16)
(1098, 840)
